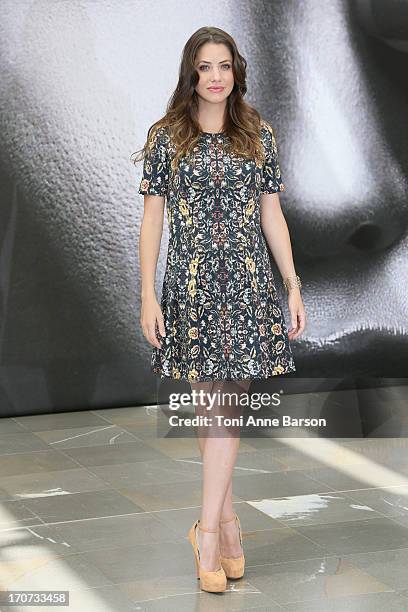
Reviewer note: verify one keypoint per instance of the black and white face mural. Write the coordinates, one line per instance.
(81, 82)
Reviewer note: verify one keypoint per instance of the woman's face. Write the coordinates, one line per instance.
(214, 67)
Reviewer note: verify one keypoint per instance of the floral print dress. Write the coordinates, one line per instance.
(222, 315)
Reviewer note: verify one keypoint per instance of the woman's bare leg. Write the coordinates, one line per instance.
(201, 410)
(229, 539)
(219, 447)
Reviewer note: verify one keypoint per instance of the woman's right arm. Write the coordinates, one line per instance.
(149, 248)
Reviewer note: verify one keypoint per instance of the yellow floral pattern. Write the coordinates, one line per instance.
(221, 310)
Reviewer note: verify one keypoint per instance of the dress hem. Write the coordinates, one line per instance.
(159, 372)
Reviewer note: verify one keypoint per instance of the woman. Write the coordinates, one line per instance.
(219, 324)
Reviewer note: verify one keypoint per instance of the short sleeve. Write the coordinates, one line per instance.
(271, 174)
(155, 175)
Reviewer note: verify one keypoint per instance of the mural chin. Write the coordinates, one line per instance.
(371, 353)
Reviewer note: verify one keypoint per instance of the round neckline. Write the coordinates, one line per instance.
(213, 133)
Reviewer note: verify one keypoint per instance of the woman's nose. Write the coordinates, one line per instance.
(216, 74)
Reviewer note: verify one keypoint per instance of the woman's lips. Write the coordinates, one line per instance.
(215, 89)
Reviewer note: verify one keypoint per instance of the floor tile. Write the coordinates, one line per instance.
(49, 484)
(85, 436)
(340, 480)
(391, 501)
(387, 566)
(277, 545)
(44, 568)
(156, 560)
(372, 602)
(10, 425)
(83, 505)
(155, 471)
(31, 463)
(242, 597)
(180, 520)
(322, 578)
(281, 483)
(357, 536)
(60, 420)
(16, 514)
(167, 496)
(111, 455)
(108, 533)
(314, 509)
(12, 443)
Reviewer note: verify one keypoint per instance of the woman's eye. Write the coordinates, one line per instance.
(224, 66)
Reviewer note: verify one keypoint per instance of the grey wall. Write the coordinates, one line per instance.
(81, 82)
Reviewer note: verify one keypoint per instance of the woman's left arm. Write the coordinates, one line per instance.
(276, 232)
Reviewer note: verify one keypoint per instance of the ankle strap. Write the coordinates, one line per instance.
(229, 520)
(203, 528)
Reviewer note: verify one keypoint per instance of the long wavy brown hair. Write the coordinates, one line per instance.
(243, 122)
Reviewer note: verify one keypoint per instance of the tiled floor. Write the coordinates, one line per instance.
(97, 504)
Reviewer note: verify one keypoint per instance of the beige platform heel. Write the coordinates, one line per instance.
(213, 582)
(234, 567)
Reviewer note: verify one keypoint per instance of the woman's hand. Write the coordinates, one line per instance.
(297, 313)
(151, 315)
